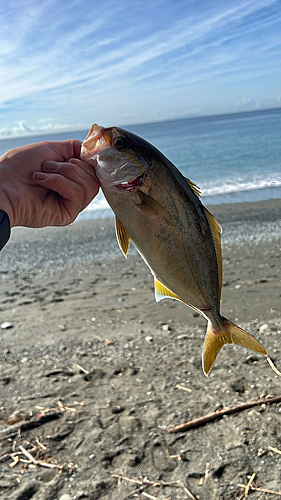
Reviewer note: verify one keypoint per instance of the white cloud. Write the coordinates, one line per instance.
(23, 129)
(69, 60)
(249, 103)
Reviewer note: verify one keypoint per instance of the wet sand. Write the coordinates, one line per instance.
(93, 368)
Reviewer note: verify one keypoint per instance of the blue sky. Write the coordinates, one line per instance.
(67, 64)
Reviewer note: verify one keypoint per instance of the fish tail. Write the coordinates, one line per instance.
(226, 333)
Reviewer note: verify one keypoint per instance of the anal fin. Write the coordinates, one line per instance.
(162, 292)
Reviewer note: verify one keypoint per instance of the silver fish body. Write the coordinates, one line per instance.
(161, 212)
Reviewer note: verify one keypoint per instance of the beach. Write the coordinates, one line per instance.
(94, 372)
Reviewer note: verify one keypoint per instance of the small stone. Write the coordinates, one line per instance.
(237, 287)
(65, 496)
(62, 327)
(251, 359)
(6, 325)
(149, 339)
(263, 328)
(117, 409)
(166, 328)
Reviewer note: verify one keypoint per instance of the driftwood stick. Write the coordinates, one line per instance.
(192, 424)
(263, 490)
(248, 486)
(146, 482)
(28, 455)
(39, 462)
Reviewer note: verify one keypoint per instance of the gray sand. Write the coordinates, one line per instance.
(90, 349)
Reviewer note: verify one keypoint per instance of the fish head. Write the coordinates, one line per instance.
(117, 160)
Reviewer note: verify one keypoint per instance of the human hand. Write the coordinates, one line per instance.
(45, 184)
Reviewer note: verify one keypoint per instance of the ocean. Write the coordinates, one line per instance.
(233, 158)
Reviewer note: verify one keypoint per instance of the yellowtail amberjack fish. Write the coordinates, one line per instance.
(178, 238)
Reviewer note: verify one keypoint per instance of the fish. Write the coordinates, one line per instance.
(160, 210)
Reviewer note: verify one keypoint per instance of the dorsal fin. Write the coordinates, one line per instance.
(216, 235)
(122, 236)
(194, 187)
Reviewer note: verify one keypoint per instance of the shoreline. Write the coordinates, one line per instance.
(87, 241)
(228, 212)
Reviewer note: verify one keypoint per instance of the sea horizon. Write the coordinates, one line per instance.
(194, 116)
(232, 157)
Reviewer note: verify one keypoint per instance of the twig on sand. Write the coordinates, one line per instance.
(27, 454)
(262, 490)
(81, 368)
(148, 496)
(144, 483)
(203, 478)
(210, 417)
(15, 461)
(39, 462)
(274, 449)
(32, 422)
(17, 456)
(247, 489)
(273, 366)
(183, 388)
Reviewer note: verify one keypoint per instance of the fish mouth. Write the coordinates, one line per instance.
(113, 167)
(94, 142)
(132, 184)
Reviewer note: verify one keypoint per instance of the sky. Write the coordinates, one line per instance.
(65, 64)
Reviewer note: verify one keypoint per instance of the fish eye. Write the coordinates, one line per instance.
(119, 142)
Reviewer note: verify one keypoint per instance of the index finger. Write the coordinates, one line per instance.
(66, 149)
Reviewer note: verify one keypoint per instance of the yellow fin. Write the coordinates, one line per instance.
(194, 187)
(229, 333)
(216, 235)
(162, 292)
(122, 237)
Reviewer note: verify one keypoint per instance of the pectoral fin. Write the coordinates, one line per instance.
(122, 237)
(152, 204)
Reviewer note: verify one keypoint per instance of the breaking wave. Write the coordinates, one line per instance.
(234, 190)
(240, 184)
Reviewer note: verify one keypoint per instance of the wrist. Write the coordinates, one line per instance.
(5, 229)
(5, 202)
(5, 205)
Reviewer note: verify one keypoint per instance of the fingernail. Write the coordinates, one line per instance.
(40, 176)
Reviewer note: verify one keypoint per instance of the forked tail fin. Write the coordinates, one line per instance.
(229, 333)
